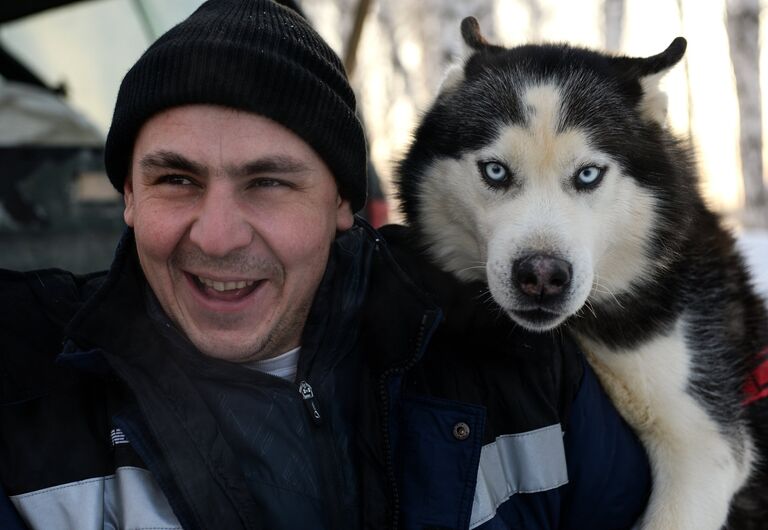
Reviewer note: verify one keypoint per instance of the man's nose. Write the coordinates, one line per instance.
(220, 226)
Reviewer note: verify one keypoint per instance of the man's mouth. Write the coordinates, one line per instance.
(225, 286)
(225, 290)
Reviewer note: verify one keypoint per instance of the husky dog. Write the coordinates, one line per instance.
(548, 172)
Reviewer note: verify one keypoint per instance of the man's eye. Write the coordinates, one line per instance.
(175, 180)
(266, 183)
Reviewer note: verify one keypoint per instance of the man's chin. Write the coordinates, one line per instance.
(243, 336)
(228, 346)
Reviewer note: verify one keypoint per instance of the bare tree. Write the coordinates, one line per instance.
(399, 24)
(536, 15)
(743, 25)
(353, 41)
(613, 23)
(687, 66)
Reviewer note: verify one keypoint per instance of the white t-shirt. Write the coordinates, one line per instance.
(283, 366)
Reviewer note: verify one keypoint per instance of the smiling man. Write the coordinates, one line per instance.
(210, 379)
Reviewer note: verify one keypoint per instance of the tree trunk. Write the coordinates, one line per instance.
(613, 23)
(743, 25)
(536, 16)
(353, 41)
(687, 67)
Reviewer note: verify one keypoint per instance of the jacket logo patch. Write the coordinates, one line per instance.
(117, 437)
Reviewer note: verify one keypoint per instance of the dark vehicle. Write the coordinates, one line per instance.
(57, 208)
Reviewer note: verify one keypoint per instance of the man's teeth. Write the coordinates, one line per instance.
(225, 286)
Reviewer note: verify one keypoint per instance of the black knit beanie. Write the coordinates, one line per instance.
(253, 55)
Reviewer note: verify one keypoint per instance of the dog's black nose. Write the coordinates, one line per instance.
(543, 278)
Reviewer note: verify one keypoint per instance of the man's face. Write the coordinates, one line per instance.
(234, 216)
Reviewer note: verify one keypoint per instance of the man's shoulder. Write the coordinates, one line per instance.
(413, 262)
(55, 293)
(35, 308)
(404, 247)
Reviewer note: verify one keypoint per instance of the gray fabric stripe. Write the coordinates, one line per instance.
(518, 463)
(128, 499)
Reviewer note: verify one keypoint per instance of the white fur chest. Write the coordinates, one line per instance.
(694, 465)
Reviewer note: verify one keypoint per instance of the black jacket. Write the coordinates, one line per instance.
(88, 364)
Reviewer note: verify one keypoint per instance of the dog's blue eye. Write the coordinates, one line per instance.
(589, 177)
(495, 173)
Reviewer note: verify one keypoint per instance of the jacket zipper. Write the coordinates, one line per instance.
(327, 444)
(310, 402)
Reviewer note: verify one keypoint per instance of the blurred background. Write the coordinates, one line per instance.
(61, 62)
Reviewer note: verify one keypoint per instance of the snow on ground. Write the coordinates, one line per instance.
(754, 245)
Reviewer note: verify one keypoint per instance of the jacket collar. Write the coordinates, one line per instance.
(399, 316)
(114, 317)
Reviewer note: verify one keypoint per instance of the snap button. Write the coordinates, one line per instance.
(461, 431)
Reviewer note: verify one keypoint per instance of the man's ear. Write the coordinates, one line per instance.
(344, 216)
(129, 210)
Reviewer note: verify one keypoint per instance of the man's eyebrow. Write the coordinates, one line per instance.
(268, 164)
(174, 161)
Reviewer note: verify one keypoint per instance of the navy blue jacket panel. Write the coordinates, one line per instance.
(603, 482)
(9, 518)
(608, 469)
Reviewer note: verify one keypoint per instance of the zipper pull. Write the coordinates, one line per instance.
(311, 402)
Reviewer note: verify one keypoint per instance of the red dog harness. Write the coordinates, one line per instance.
(756, 387)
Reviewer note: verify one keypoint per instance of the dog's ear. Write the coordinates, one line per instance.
(648, 71)
(474, 42)
(476, 51)
(470, 31)
(639, 67)
(474, 39)
(663, 61)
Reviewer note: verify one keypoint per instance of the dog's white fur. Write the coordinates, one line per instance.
(694, 468)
